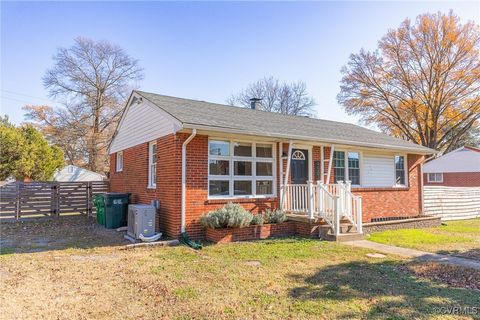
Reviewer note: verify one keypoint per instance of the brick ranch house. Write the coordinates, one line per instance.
(196, 156)
(459, 168)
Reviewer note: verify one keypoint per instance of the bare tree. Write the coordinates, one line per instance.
(92, 80)
(277, 97)
(422, 84)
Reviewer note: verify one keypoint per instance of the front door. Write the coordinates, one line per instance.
(299, 166)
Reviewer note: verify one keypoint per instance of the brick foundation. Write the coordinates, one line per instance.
(274, 230)
(414, 223)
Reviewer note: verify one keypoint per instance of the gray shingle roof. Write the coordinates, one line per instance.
(220, 117)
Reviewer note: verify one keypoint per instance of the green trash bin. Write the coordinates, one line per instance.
(116, 207)
(99, 202)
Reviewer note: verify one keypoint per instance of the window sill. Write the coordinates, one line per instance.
(239, 200)
(151, 187)
(366, 189)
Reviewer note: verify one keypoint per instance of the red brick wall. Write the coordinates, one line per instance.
(197, 202)
(134, 179)
(456, 179)
(394, 202)
(384, 202)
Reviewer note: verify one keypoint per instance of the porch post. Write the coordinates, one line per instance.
(287, 170)
(311, 203)
(332, 149)
(280, 164)
(322, 164)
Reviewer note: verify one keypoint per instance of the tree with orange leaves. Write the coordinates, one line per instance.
(422, 84)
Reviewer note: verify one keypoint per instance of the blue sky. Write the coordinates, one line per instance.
(204, 50)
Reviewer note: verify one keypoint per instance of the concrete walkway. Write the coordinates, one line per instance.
(416, 254)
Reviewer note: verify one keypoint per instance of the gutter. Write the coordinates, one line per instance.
(184, 177)
(422, 150)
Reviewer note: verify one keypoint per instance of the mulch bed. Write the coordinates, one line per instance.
(453, 276)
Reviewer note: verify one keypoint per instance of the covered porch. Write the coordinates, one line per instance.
(331, 203)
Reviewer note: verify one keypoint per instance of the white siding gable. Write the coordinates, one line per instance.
(460, 160)
(142, 122)
(378, 170)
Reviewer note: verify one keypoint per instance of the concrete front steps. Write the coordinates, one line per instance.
(321, 230)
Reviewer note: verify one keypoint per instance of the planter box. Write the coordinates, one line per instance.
(226, 235)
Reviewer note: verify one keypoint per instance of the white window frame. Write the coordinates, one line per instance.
(152, 167)
(253, 178)
(405, 171)
(360, 165)
(435, 177)
(119, 161)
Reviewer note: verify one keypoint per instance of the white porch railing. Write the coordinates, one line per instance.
(331, 202)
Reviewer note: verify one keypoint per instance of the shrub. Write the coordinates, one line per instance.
(229, 216)
(257, 219)
(275, 216)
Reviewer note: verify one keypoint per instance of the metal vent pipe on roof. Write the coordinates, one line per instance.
(254, 103)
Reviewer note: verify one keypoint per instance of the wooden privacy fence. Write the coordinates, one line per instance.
(451, 203)
(39, 199)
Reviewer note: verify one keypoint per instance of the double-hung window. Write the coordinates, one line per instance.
(435, 177)
(240, 169)
(118, 161)
(346, 166)
(400, 170)
(152, 164)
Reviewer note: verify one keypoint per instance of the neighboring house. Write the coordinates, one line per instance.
(196, 156)
(73, 173)
(459, 168)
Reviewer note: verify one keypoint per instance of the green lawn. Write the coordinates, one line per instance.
(276, 279)
(460, 237)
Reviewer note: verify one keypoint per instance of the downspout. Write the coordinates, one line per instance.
(184, 177)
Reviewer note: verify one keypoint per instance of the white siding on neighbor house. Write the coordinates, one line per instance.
(378, 170)
(142, 122)
(452, 203)
(72, 173)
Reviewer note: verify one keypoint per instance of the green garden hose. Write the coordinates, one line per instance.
(193, 244)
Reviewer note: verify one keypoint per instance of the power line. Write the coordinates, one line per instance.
(24, 94)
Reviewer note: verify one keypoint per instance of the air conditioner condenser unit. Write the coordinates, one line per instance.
(141, 221)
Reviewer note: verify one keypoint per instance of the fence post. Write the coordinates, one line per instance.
(89, 198)
(311, 204)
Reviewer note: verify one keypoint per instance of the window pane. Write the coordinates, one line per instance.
(338, 166)
(218, 188)
(399, 162)
(264, 187)
(242, 149)
(242, 188)
(220, 167)
(354, 167)
(264, 151)
(154, 153)
(219, 148)
(439, 177)
(242, 168)
(264, 169)
(400, 177)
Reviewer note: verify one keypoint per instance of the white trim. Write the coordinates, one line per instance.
(152, 167)
(435, 175)
(253, 159)
(119, 164)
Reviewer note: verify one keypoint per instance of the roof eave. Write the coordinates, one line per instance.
(422, 150)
